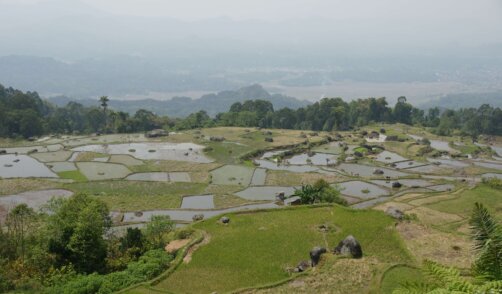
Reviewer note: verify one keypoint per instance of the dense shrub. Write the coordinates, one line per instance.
(151, 264)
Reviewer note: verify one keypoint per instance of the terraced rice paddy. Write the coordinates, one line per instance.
(97, 171)
(34, 199)
(361, 190)
(152, 151)
(368, 171)
(160, 177)
(264, 193)
(23, 166)
(389, 157)
(316, 159)
(198, 202)
(62, 166)
(259, 177)
(232, 175)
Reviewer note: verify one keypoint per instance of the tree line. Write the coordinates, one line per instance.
(69, 246)
(27, 115)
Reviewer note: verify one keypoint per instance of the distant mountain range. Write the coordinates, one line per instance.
(183, 106)
(465, 100)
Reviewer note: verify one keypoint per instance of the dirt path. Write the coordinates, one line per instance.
(206, 240)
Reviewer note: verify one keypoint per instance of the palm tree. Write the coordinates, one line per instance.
(487, 244)
(103, 100)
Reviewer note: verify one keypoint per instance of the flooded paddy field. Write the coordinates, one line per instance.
(389, 157)
(187, 215)
(368, 171)
(152, 151)
(97, 171)
(316, 159)
(265, 192)
(232, 175)
(362, 190)
(34, 199)
(198, 202)
(23, 166)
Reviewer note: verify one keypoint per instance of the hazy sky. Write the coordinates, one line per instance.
(421, 10)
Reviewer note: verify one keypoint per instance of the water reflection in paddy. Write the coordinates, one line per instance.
(23, 166)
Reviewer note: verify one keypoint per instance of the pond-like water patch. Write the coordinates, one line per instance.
(259, 177)
(198, 202)
(426, 169)
(265, 192)
(408, 164)
(96, 171)
(316, 159)
(34, 199)
(187, 215)
(232, 175)
(389, 157)
(405, 182)
(449, 162)
(61, 166)
(23, 166)
(30, 149)
(368, 171)
(488, 165)
(492, 175)
(442, 188)
(153, 151)
(292, 168)
(361, 189)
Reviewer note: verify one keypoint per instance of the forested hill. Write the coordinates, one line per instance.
(183, 106)
(26, 115)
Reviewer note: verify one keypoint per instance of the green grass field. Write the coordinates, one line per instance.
(75, 175)
(464, 203)
(399, 275)
(132, 196)
(256, 248)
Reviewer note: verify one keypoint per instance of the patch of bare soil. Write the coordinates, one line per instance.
(429, 244)
(176, 245)
(206, 240)
(332, 276)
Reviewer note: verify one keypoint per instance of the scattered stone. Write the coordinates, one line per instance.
(315, 255)
(216, 139)
(396, 185)
(323, 228)
(7, 165)
(394, 212)
(3, 151)
(280, 196)
(378, 172)
(156, 133)
(302, 266)
(224, 220)
(32, 151)
(268, 139)
(16, 160)
(350, 247)
(198, 217)
(138, 213)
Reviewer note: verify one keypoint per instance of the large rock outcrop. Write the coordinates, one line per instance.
(349, 247)
(315, 255)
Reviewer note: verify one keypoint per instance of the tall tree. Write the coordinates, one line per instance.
(103, 101)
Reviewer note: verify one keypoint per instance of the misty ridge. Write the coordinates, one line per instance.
(73, 49)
